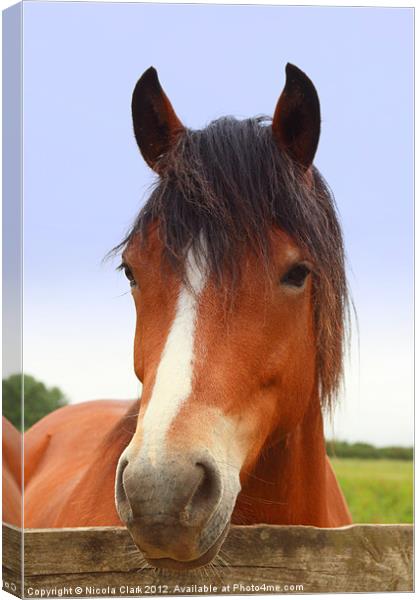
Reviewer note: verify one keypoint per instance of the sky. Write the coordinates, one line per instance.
(84, 180)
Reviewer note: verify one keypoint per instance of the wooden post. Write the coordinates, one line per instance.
(103, 561)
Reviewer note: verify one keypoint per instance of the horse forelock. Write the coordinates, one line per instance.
(221, 191)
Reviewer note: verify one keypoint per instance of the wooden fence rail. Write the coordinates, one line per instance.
(103, 561)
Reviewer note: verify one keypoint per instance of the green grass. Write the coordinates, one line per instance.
(377, 491)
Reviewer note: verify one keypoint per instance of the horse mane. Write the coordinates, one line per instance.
(221, 190)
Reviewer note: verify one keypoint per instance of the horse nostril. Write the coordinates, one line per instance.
(205, 486)
(206, 495)
(120, 494)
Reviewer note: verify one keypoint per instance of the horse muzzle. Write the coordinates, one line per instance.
(177, 508)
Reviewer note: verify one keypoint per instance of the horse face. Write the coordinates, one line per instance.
(217, 383)
(220, 379)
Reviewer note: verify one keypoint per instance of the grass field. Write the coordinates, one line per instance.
(377, 491)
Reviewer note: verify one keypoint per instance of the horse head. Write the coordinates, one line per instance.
(237, 273)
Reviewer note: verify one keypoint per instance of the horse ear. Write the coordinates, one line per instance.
(297, 118)
(156, 126)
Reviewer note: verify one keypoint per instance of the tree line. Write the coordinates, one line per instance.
(40, 400)
(338, 449)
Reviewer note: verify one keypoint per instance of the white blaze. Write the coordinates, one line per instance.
(173, 382)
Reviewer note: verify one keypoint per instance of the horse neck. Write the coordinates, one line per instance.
(288, 485)
(91, 503)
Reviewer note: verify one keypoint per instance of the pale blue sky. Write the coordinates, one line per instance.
(85, 180)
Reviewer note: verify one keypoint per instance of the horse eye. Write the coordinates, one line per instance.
(296, 277)
(129, 275)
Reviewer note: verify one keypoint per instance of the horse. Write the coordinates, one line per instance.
(11, 473)
(237, 271)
